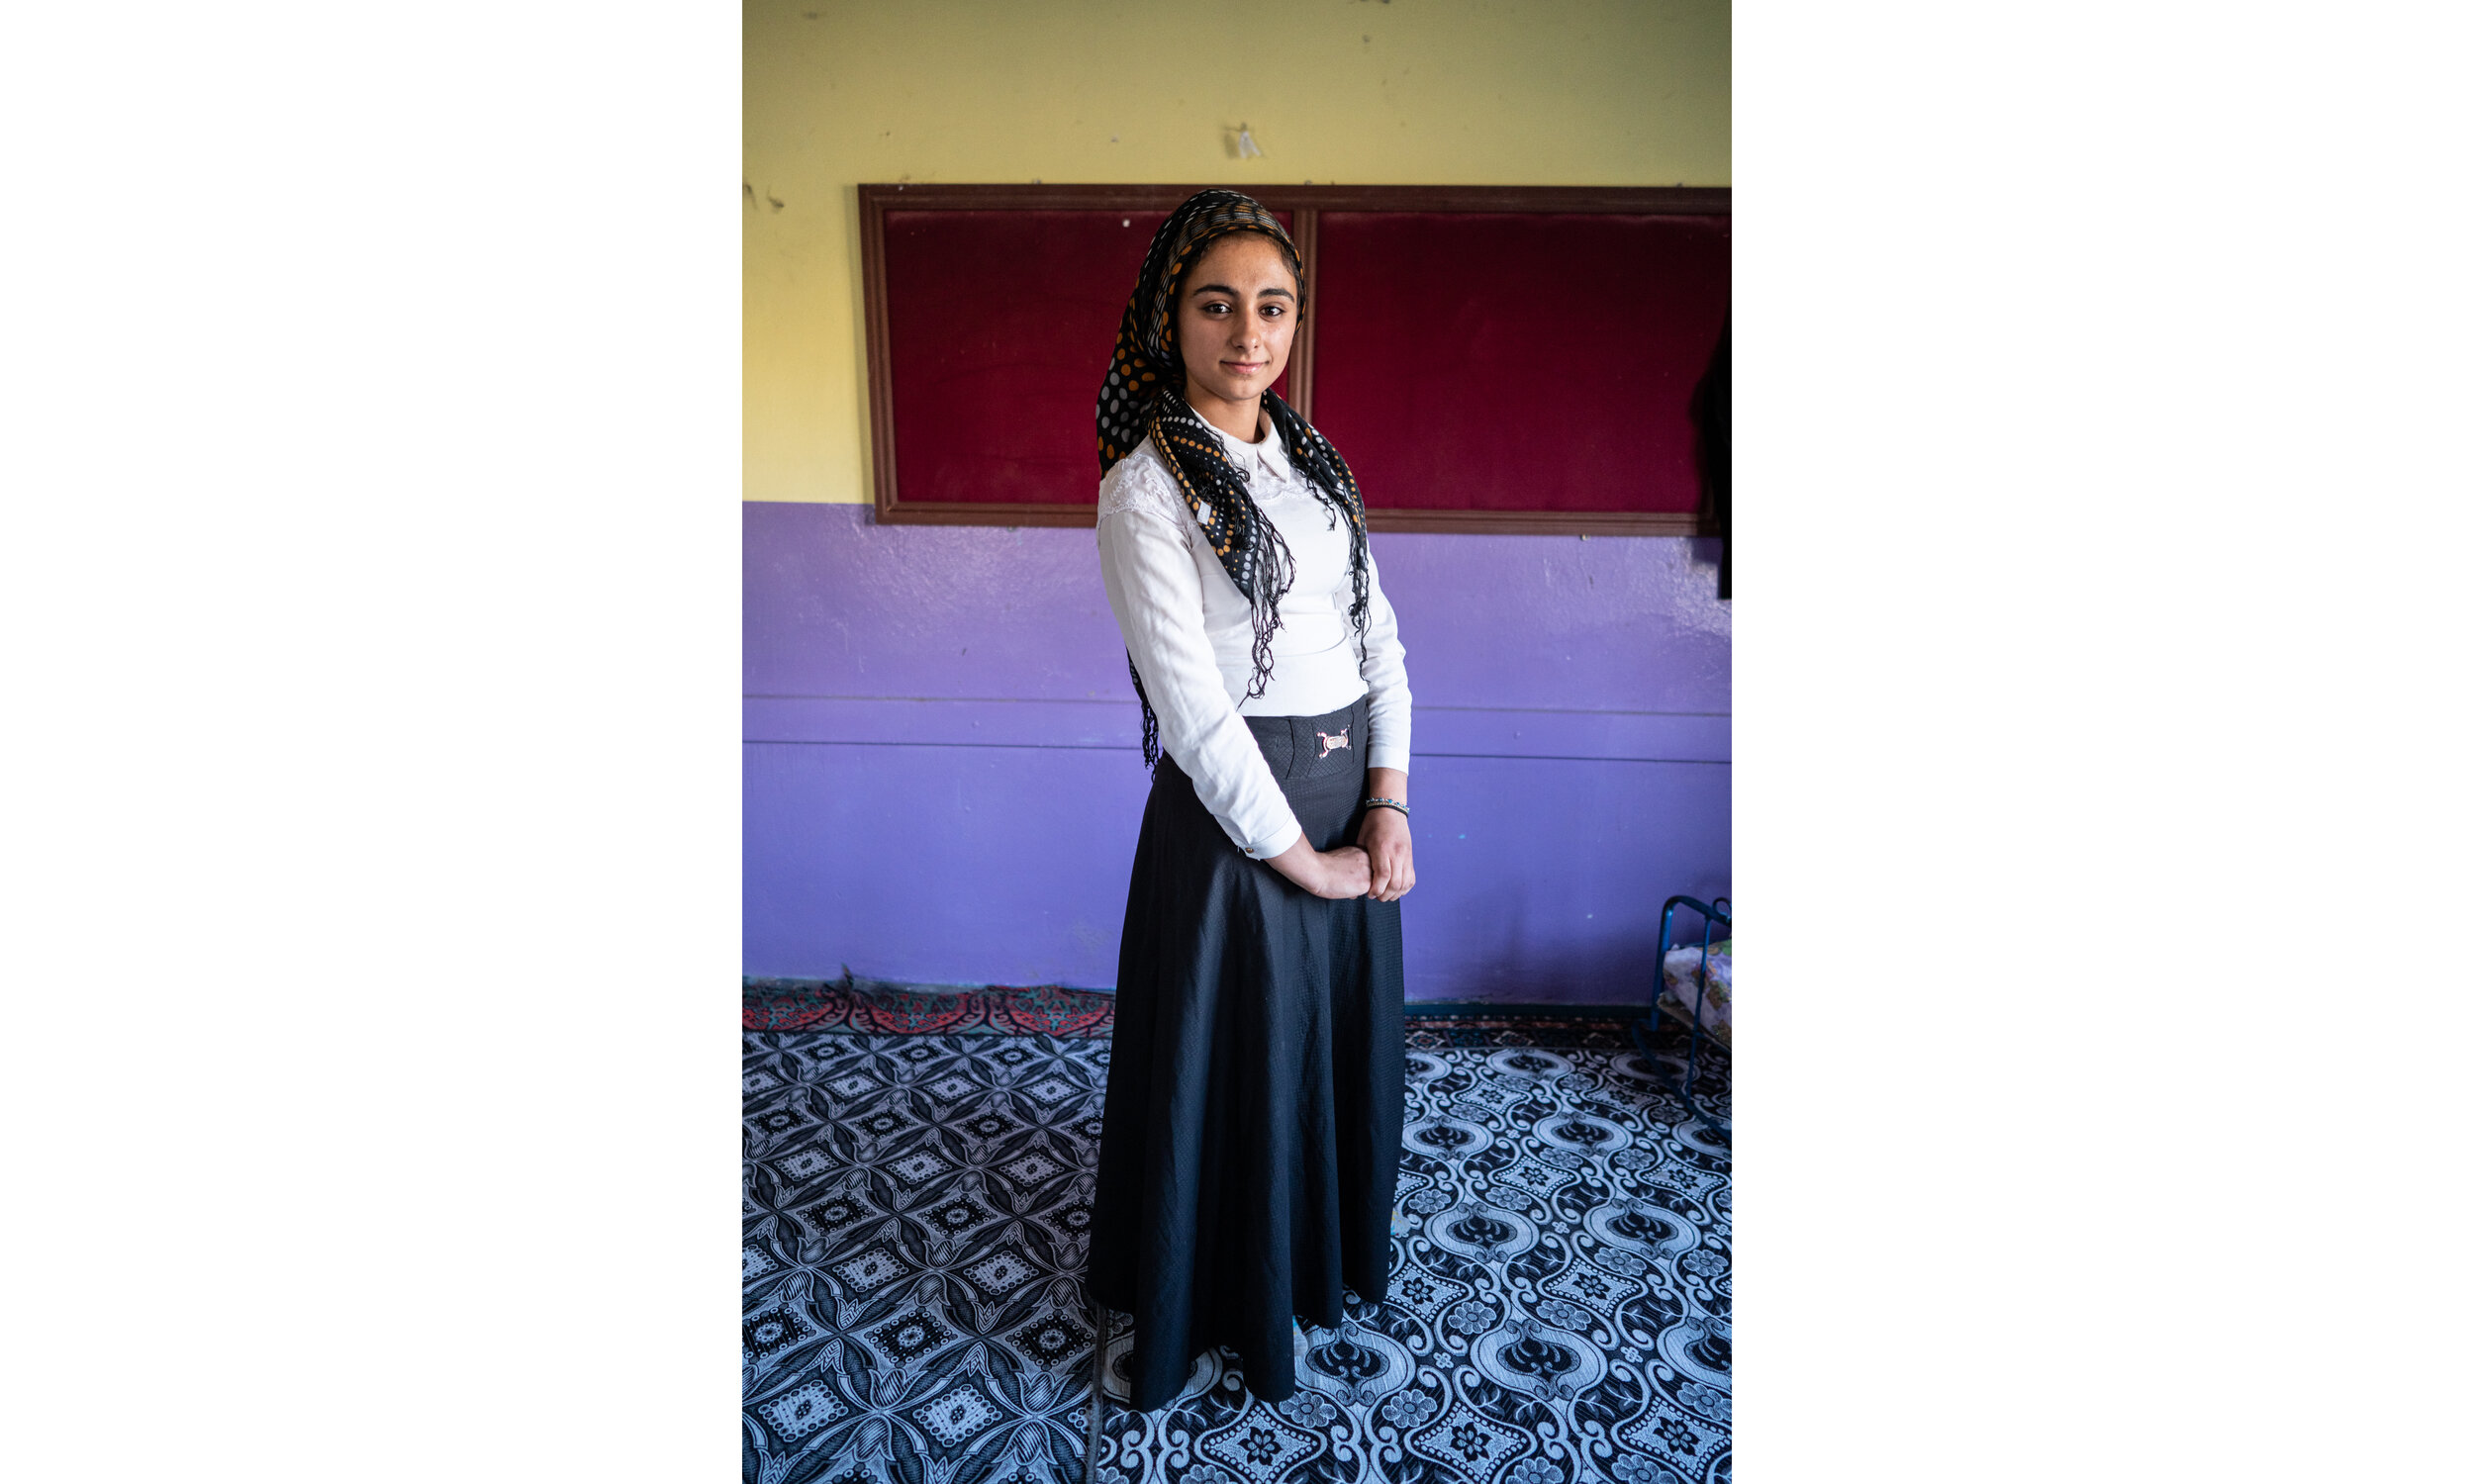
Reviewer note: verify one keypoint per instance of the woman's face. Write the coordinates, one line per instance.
(1236, 317)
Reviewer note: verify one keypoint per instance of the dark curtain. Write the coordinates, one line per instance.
(1710, 405)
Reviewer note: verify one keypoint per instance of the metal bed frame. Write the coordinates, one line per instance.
(1714, 915)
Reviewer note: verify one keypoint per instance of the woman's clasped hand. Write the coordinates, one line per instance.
(1334, 874)
(1392, 871)
(1381, 865)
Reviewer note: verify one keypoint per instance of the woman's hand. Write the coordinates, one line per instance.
(1385, 835)
(1333, 873)
(1392, 871)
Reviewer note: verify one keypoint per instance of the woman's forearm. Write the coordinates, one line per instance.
(1334, 874)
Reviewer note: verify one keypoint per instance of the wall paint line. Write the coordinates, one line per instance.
(1503, 757)
(1128, 700)
(1010, 746)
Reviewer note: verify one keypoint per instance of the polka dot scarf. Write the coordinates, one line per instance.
(1143, 396)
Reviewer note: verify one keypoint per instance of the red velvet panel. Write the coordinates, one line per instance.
(1516, 362)
(999, 325)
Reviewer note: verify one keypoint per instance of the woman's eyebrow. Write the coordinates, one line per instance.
(1221, 288)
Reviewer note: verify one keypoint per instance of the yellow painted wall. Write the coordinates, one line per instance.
(1359, 92)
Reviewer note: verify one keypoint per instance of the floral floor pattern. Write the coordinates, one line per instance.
(917, 1209)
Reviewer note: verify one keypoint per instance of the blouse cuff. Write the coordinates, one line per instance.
(1280, 841)
(1380, 756)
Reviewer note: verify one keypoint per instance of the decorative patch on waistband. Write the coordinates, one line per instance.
(1332, 744)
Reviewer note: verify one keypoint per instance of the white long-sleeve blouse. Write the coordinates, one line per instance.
(1190, 633)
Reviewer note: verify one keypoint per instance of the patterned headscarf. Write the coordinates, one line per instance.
(1144, 397)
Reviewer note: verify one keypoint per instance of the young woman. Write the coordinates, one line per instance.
(1252, 1136)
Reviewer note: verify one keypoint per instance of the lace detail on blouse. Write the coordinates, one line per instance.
(1141, 481)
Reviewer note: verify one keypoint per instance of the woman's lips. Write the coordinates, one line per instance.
(1245, 368)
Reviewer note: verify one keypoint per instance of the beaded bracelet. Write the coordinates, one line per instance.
(1385, 803)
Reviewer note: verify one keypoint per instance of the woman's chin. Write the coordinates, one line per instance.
(1238, 388)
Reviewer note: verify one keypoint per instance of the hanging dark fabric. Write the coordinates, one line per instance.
(1143, 396)
(1712, 408)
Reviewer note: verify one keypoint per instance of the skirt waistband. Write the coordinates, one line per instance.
(1306, 747)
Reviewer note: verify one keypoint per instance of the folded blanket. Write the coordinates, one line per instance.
(1683, 986)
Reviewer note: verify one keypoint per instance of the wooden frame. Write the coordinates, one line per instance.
(1306, 203)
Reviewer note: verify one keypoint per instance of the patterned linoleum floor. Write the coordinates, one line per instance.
(917, 1210)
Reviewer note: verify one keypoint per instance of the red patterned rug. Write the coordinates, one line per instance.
(861, 1008)
(873, 1008)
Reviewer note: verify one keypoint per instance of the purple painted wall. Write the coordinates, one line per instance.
(943, 784)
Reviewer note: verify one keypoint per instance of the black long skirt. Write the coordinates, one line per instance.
(1251, 1138)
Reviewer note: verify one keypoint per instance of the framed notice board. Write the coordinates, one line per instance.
(1488, 358)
